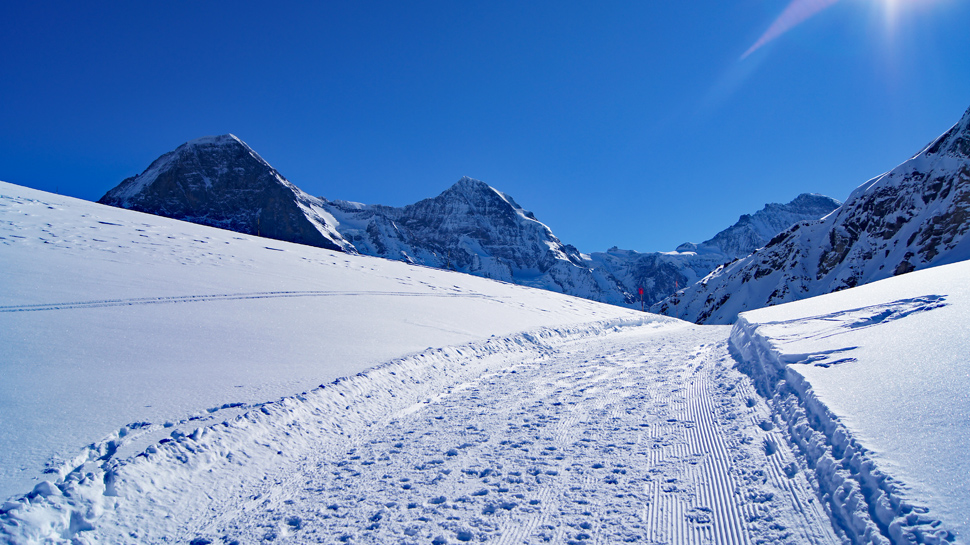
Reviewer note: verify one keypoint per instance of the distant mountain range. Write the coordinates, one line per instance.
(912, 217)
(662, 273)
(471, 227)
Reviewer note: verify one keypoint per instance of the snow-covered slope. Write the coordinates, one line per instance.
(910, 218)
(110, 318)
(474, 228)
(221, 182)
(663, 273)
(871, 385)
(169, 373)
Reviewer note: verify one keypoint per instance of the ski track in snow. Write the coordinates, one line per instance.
(225, 297)
(635, 438)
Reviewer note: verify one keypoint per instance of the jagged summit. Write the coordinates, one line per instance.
(185, 160)
(220, 181)
(219, 139)
(467, 183)
(753, 231)
(474, 228)
(484, 199)
(471, 190)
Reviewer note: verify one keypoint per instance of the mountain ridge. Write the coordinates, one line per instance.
(469, 227)
(912, 217)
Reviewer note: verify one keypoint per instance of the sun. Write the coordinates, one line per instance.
(798, 11)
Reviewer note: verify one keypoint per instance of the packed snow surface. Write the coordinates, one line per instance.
(889, 363)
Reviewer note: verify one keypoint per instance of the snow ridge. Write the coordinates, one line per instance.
(865, 504)
(912, 217)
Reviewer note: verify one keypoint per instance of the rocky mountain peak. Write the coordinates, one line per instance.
(220, 181)
(753, 231)
(954, 143)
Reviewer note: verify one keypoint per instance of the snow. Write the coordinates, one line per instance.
(184, 383)
(888, 361)
(111, 317)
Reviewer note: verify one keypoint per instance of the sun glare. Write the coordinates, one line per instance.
(799, 11)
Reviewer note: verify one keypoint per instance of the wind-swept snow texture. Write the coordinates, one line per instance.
(872, 385)
(114, 323)
(599, 433)
(913, 217)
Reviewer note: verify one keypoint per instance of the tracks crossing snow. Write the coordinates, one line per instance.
(638, 437)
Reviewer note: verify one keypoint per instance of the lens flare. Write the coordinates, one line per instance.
(796, 13)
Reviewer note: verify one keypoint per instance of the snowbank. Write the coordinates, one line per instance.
(873, 387)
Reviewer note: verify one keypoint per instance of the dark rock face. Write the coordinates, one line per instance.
(913, 217)
(221, 182)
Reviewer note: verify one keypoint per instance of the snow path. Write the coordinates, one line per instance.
(641, 436)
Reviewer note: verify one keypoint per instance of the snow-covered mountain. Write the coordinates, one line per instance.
(662, 273)
(221, 182)
(474, 228)
(912, 217)
(471, 227)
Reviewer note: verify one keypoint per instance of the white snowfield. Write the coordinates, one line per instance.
(873, 385)
(110, 317)
(183, 384)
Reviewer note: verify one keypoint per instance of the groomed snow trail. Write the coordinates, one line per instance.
(647, 437)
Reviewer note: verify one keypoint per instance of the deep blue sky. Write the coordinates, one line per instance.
(618, 123)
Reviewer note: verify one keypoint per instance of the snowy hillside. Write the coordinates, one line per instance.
(913, 217)
(187, 384)
(123, 317)
(663, 273)
(872, 386)
(220, 181)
